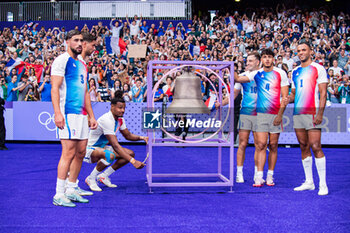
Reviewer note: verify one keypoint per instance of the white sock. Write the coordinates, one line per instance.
(71, 187)
(60, 186)
(239, 169)
(270, 172)
(307, 164)
(255, 170)
(321, 169)
(260, 174)
(94, 173)
(109, 171)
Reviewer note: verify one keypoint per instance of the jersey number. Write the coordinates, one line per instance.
(267, 87)
(301, 83)
(82, 79)
(253, 89)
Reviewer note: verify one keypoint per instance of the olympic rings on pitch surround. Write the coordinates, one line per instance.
(46, 119)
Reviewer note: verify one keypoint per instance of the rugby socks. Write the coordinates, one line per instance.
(60, 186)
(108, 171)
(270, 172)
(239, 169)
(260, 174)
(71, 187)
(255, 170)
(321, 169)
(307, 164)
(94, 173)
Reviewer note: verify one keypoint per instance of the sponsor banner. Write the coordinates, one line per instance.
(34, 121)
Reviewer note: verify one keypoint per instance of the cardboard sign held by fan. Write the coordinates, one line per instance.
(137, 51)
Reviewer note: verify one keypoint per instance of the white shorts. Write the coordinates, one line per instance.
(76, 127)
(89, 151)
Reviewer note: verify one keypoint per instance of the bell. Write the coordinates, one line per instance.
(187, 97)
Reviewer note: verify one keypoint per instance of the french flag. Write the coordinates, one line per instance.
(210, 103)
(17, 64)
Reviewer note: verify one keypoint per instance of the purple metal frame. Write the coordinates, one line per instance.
(219, 142)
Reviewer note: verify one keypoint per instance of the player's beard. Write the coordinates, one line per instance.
(76, 52)
(306, 59)
(268, 67)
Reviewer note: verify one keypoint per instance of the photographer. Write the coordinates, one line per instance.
(23, 87)
(31, 95)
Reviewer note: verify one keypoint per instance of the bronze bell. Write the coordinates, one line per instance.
(187, 97)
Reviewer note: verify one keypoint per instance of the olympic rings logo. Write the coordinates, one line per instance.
(47, 120)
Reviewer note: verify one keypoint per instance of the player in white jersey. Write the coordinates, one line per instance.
(103, 146)
(71, 104)
(309, 93)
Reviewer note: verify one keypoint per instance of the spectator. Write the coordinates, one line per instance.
(117, 86)
(342, 59)
(23, 87)
(158, 95)
(3, 88)
(45, 89)
(336, 69)
(344, 90)
(12, 88)
(103, 92)
(127, 95)
(31, 96)
(94, 96)
(138, 91)
(168, 89)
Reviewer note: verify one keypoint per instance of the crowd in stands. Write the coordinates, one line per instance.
(226, 37)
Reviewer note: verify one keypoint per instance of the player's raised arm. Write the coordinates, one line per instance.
(241, 79)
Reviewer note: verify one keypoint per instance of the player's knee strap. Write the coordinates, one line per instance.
(110, 156)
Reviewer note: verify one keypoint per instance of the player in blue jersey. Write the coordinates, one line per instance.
(103, 146)
(89, 46)
(247, 117)
(309, 92)
(72, 106)
(271, 82)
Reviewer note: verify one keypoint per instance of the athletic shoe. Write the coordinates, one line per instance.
(62, 201)
(83, 192)
(259, 182)
(323, 190)
(239, 178)
(92, 184)
(105, 180)
(76, 197)
(305, 186)
(269, 181)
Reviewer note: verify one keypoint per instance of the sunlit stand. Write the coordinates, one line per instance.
(210, 141)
